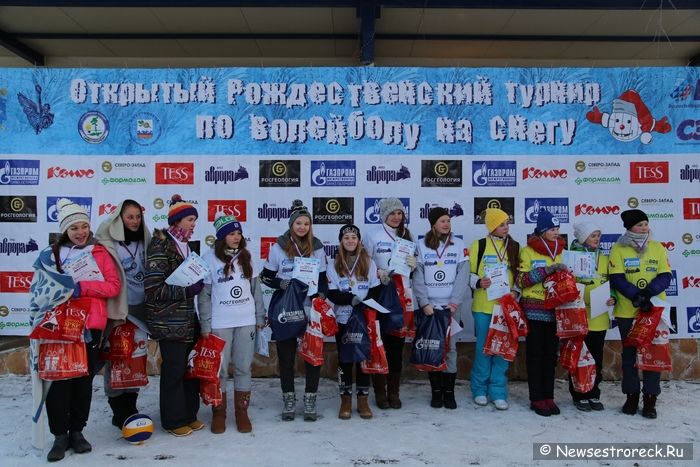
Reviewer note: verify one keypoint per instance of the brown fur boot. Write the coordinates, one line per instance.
(363, 407)
(218, 416)
(241, 400)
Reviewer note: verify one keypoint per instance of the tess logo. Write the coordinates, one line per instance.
(15, 281)
(649, 172)
(535, 173)
(60, 172)
(174, 173)
(589, 210)
(691, 208)
(265, 245)
(226, 207)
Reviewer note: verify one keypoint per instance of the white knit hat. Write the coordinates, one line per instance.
(583, 229)
(70, 213)
(389, 205)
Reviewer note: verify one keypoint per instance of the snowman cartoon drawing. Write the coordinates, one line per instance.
(629, 119)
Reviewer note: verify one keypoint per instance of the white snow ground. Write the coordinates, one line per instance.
(414, 435)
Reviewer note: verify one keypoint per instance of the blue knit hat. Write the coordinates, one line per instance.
(180, 209)
(224, 225)
(545, 221)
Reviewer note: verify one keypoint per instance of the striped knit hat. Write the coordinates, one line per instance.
(224, 225)
(70, 213)
(179, 209)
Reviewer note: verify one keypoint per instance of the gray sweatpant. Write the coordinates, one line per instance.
(240, 346)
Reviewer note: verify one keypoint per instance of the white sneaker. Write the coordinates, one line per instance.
(501, 404)
(481, 400)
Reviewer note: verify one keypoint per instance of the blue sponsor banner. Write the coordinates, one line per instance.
(52, 211)
(693, 313)
(19, 172)
(672, 289)
(333, 173)
(348, 110)
(558, 207)
(494, 173)
(372, 210)
(607, 241)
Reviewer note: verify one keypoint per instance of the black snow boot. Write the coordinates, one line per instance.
(436, 388)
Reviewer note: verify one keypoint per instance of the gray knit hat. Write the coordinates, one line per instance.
(297, 210)
(70, 213)
(389, 205)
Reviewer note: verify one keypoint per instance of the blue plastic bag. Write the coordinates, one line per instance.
(354, 343)
(389, 299)
(286, 312)
(429, 349)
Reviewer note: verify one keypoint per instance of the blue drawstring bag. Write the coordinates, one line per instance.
(286, 312)
(430, 344)
(354, 343)
(389, 299)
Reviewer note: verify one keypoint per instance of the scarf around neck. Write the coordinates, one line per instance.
(636, 241)
(180, 234)
(537, 243)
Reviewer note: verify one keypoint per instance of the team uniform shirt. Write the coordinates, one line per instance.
(278, 261)
(133, 259)
(529, 260)
(351, 285)
(602, 321)
(480, 302)
(440, 269)
(232, 303)
(638, 270)
(379, 244)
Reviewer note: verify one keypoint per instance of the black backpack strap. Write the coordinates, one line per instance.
(480, 255)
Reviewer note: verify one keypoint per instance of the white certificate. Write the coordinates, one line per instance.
(191, 270)
(83, 267)
(399, 252)
(599, 296)
(372, 303)
(500, 285)
(581, 263)
(306, 270)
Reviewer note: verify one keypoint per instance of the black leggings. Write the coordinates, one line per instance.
(394, 351)
(286, 356)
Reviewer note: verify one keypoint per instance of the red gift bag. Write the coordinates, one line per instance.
(329, 326)
(377, 364)
(657, 355)
(406, 298)
(210, 392)
(311, 345)
(499, 340)
(570, 352)
(514, 315)
(643, 328)
(66, 322)
(204, 361)
(129, 373)
(583, 376)
(571, 317)
(559, 287)
(62, 360)
(120, 342)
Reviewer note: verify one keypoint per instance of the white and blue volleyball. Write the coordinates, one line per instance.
(137, 428)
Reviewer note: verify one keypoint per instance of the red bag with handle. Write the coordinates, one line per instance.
(583, 376)
(571, 317)
(62, 360)
(499, 340)
(514, 316)
(657, 355)
(132, 372)
(643, 328)
(311, 346)
(559, 287)
(120, 342)
(210, 392)
(329, 325)
(570, 352)
(66, 322)
(377, 364)
(408, 330)
(204, 361)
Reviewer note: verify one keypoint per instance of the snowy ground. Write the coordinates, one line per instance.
(414, 435)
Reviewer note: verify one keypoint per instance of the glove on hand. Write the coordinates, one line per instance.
(284, 283)
(411, 262)
(551, 269)
(356, 300)
(194, 289)
(384, 276)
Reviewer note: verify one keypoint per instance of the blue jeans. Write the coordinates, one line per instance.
(488, 376)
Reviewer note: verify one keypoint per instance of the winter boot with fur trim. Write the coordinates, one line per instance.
(218, 416)
(241, 400)
(290, 406)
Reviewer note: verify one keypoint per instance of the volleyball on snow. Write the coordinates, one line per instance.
(137, 428)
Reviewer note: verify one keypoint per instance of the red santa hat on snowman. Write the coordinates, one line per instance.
(630, 103)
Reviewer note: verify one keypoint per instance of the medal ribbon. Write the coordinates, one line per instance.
(387, 232)
(549, 250)
(447, 242)
(501, 254)
(133, 255)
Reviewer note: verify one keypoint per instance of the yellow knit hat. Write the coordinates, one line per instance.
(494, 217)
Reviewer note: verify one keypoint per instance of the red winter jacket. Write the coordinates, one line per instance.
(99, 291)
